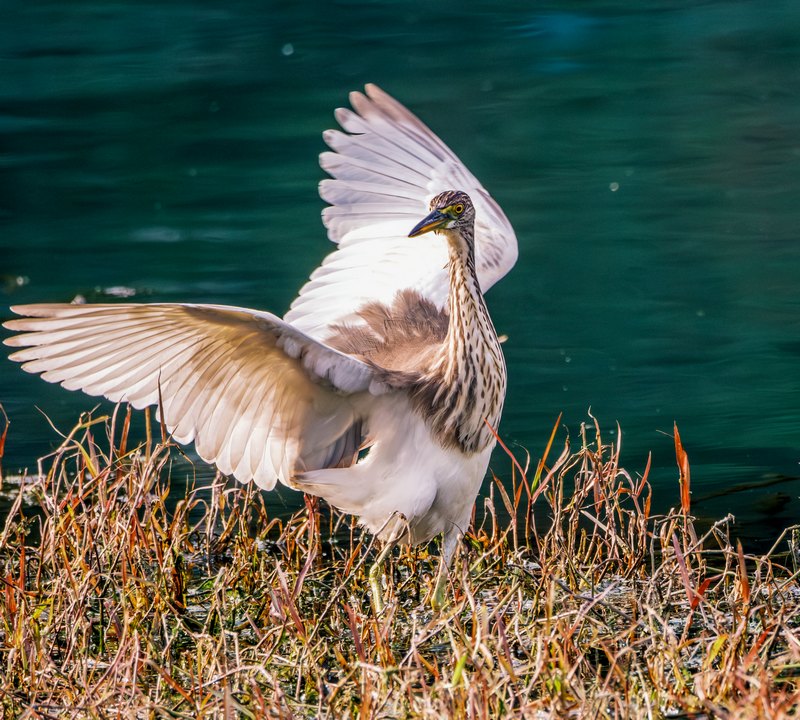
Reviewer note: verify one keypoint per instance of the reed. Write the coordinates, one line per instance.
(569, 598)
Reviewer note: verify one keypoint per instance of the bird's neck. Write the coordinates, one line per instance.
(465, 300)
(472, 364)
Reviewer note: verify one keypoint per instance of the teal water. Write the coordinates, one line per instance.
(648, 156)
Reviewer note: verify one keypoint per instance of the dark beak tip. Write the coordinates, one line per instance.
(431, 222)
(419, 229)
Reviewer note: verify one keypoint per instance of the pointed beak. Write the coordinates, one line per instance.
(434, 221)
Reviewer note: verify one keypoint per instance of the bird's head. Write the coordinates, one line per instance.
(450, 210)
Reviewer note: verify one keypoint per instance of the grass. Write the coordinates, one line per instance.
(568, 599)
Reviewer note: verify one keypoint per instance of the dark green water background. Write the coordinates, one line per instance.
(648, 155)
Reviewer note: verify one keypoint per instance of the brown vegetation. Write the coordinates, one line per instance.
(117, 602)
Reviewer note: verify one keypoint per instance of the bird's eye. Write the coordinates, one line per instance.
(458, 209)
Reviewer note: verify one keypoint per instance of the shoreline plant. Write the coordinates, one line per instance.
(568, 599)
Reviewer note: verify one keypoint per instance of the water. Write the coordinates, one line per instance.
(647, 156)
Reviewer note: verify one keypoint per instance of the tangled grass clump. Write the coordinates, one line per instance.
(117, 601)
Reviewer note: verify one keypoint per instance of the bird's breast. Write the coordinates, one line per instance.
(463, 398)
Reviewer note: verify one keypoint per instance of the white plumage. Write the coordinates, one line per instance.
(356, 360)
(386, 168)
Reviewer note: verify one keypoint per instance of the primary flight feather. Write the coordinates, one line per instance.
(388, 346)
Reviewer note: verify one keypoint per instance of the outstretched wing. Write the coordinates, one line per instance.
(260, 399)
(386, 167)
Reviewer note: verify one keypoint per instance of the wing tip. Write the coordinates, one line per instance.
(15, 341)
(38, 309)
(374, 92)
(356, 98)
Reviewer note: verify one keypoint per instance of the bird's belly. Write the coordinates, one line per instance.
(409, 487)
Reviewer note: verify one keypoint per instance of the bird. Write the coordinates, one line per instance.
(380, 390)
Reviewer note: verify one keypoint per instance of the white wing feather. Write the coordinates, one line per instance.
(260, 399)
(386, 167)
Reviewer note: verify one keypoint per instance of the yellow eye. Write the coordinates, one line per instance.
(458, 209)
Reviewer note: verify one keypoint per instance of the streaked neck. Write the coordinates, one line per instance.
(473, 368)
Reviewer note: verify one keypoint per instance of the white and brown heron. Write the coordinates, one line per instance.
(389, 347)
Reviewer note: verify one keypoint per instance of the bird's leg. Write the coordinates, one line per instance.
(449, 545)
(397, 528)
(375, 577)
(438, 599)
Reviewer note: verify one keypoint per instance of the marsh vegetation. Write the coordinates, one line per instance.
(119, 600)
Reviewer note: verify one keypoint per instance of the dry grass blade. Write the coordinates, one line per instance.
(683, 467)
(120, 599)
(3, 436)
